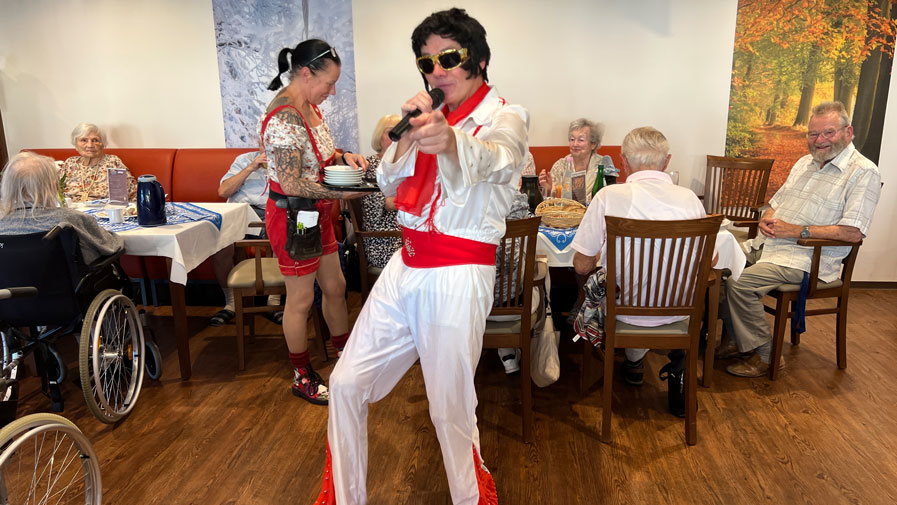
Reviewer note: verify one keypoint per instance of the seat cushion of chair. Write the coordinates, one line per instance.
(508, 323)
(677, 328)
(243, 275)
(793, 288)
(374, 270)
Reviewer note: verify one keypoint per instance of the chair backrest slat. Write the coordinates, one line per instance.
(735, 186)
(670, 281)
(516, 259)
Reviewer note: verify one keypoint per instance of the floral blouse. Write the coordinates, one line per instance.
(281, 134)
(89, 182)
(557, 171)
(376, 217)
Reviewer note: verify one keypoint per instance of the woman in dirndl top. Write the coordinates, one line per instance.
(298, 144)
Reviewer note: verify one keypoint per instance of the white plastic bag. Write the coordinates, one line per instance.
(546, 366)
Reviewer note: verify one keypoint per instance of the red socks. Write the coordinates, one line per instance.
(300, 359)
(339, 341)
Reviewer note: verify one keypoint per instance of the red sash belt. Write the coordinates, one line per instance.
(421, 249)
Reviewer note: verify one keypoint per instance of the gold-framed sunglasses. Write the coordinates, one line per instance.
(449, 59)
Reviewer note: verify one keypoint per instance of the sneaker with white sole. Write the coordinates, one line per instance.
(308, 385)
(511, 362)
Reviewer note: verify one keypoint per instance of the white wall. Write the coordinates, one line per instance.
(664, 63)
(145, 71)
(153, 81)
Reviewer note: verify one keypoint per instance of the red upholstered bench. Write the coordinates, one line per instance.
(545, 156)
(188, 175)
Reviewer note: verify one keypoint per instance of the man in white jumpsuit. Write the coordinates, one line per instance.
(454, 176)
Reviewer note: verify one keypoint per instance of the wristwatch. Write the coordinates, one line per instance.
(805, 232)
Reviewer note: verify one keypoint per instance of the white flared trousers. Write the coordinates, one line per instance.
(437, 315)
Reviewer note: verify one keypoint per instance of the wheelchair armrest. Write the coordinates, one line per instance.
(17, 293)
(104, 261)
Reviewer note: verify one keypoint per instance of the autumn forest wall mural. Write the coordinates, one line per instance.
(792, 54)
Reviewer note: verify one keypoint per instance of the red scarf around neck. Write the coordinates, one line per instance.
(415, 191)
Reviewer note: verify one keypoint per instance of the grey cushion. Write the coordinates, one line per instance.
(677, 328)
(509, 323)
(243, 275)
(793, 288)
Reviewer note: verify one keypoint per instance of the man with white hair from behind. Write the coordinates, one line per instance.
(649, 194)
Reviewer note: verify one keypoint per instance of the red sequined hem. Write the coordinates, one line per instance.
(485, 484)
(327, 496)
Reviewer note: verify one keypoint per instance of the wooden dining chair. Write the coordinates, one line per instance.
(661, 269)
(369, 273)
(736, 188)
(514, 305)
(260, 276)
(839, 290)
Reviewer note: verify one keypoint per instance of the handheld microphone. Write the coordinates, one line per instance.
(403, 126)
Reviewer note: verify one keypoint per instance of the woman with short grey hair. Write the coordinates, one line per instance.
(29, 203)
(86, 174)
(584, 137)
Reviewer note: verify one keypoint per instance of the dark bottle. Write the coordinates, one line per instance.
(530, 188)
(599, 180)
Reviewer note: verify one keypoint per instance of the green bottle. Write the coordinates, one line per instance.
(599, 180)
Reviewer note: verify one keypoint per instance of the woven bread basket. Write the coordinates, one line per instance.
(560, 212)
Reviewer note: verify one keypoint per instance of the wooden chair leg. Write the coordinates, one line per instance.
(250, 319)
(238, 305)
(841, 333)
(590, 373)
(321, 330)
(691, 399)
(607, 394)
(710, 350)
(795, 336)
(778, 335)
(526, 393)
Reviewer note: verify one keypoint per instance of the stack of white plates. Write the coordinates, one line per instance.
(342, 175)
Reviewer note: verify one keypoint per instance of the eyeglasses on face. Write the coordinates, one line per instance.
(826, 134)
(331, 52)
(449, 59)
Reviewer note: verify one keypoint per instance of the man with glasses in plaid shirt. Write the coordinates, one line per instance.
(830, 193)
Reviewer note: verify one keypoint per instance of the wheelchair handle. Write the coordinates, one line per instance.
(17, 292)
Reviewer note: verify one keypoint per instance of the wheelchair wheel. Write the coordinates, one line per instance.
(153, 361)
(111, 358)
(46, 459)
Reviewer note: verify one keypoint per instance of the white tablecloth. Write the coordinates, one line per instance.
(730, 253)
(558, 252)
(190, 244)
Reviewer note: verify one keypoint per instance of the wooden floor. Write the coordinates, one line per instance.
(816, 435)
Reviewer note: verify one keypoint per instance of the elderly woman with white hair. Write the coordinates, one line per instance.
(86, 174)
(378, 211)
(584, 137)
(29, 203)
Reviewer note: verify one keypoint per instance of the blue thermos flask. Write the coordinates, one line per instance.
(150, 201)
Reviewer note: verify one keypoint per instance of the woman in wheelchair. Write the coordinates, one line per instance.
(72, 262)
(29, 202)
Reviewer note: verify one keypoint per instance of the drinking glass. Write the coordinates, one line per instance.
(674, 175)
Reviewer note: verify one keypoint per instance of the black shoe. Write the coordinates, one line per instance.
(633, 372)
(222, 317)
(674, 373)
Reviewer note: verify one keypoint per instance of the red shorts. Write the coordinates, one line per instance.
(276, 225)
